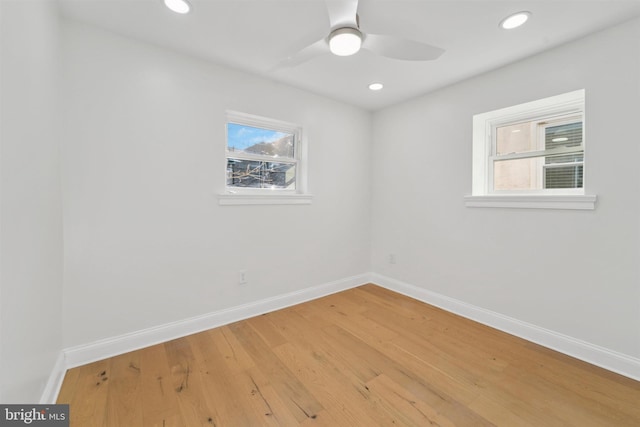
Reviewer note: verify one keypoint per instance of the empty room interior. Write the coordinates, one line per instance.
(308, 212)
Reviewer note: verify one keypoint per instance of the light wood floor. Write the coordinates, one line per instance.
(363, 357)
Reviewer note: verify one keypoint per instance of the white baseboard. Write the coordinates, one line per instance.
(605, 358)
(52, 388)
(102, 349)
(98, 350)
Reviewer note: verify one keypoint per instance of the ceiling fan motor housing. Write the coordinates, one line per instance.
(345, 41)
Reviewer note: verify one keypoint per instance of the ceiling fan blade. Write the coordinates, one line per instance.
(313, 50)
(399, 48)
(342, 13)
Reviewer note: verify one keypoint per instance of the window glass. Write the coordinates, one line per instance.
(260, 174)
(516, 174)
(563, 176)
(516, 138)
(563, 135)
(262, 154)
(263, 142)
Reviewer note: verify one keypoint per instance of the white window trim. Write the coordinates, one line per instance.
(580, 202)
(483, 127)
(265, 199)
(267, 196)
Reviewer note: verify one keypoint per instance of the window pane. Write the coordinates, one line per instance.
(563, 176)
(264, 142)
(258, 174)
(517, 138)
(564, 171)
(517, 174)
(565, 135)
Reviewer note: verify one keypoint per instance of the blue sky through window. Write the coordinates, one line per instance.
(241, 137)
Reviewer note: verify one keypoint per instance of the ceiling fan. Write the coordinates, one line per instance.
(346, 38)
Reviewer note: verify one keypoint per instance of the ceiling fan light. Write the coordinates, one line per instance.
(178, 6)
(345, 41)
(515, 20)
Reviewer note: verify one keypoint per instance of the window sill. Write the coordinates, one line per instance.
(264, 199)
(532, 202)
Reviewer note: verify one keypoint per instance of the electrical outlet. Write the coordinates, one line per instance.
(242, 277)
(392, 258)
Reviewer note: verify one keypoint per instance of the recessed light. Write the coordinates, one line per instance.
(376, 86)
(345, 41)
(178, 6)
(515, 20)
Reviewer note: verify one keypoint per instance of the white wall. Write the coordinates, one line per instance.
(573, 272)
(31, 212)
(146, 242)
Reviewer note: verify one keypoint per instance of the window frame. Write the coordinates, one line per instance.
(484, 141)
(540, 152)
(249, 196)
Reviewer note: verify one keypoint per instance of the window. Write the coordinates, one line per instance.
(264, 162)
(536, 155)
(531, 155)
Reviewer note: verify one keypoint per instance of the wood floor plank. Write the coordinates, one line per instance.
(282, 378)
(507, 411)
(327, 385)
(187, 384)
(368, 351)
(218, 383)
(234, 374)
(124, 403)
(267, 331)
(326, 373)
(274, 406)
(404, 406)
(233, 354)
(436, 383)
(160, 406)
(583, 379)
(89, 395)
(69, 385)
(363, 357)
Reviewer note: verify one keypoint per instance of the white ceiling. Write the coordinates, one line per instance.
(255, 35)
